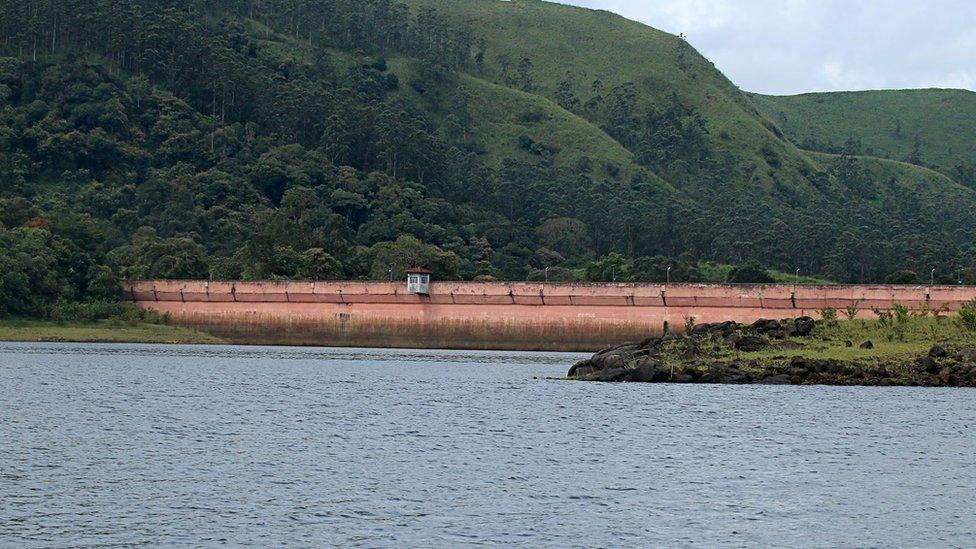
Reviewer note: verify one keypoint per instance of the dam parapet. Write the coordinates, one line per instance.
(501, 315)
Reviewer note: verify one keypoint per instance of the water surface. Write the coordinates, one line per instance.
(132, 444)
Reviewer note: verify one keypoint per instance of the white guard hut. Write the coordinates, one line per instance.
(418, 281)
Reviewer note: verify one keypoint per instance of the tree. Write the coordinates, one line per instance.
(915, 157)
(174, 258)
(656, 269)
(407, 252)
(750, 272)
(612, 267)
(102, 285)
(566, 98)
(903, 276)
(525, 74)
(316, 264)
(567, 236)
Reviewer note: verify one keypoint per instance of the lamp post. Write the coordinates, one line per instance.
(669, 275)
(797, 277)
(932, 278)
(547, 275)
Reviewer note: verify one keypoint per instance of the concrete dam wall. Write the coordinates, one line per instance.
(516, 316)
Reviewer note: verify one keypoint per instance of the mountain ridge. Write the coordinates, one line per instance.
(487, 140)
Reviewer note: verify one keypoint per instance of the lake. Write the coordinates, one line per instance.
(141, 444)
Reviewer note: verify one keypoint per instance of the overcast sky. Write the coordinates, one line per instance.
(795, 46)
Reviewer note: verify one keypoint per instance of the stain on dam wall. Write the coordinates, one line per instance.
(509, 316)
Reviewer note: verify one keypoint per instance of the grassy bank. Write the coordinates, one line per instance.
(866, 342)
(105, 331)
(897, 348)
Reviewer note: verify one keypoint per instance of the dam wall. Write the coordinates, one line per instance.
(512, 316)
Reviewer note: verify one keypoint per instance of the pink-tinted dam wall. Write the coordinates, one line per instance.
(519, 316)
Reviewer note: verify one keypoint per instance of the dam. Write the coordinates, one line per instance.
(500, 315)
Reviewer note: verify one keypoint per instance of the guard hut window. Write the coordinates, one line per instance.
(418, 281)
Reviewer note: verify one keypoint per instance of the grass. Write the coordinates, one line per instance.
(100, 332)
(581, 46)
(894, 341)
(944, 120)
(500, 115)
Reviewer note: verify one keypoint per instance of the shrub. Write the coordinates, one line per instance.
(902, 314)
(851, 311)
(689, 324)
(66, 311)
(884, 317)
(828, 314)
(967, 316)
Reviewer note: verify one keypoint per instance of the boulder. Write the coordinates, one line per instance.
(645, 373)
(612, 361)
(966, 355)
(610, 375)
(764, 325)
(750, 344)
(662, 375)
(803, 326)
(582, 368)
(722, 329)
(812, 365)
(727, 327)
(928, 364)
(682, 378)
(582, 371)
(867, 344)
(734, 375)
(781, 379)
(798, 372)
(651, 343)
(938, 351)
(714, 374)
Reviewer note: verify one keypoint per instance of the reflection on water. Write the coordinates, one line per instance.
(132, 444)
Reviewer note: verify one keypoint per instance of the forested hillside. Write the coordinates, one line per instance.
(350, 139)
(934, 128)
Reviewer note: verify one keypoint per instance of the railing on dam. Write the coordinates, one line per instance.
(686, 296)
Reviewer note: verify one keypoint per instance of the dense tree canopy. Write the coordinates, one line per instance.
(269, 139)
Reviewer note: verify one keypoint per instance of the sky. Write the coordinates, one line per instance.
(794, 46)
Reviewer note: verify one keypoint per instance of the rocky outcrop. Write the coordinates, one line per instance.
(694, 358)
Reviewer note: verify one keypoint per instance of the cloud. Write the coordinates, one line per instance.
(840, 77)
(794, 46)
(697, 15)
(961, 79)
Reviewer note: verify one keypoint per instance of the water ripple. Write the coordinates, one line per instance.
(137, 444)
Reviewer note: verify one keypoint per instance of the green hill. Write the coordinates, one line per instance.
(618, 73)
(885, 124)
(485, 139)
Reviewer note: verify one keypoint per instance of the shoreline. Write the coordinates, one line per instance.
(905, 351)
(41, 331)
